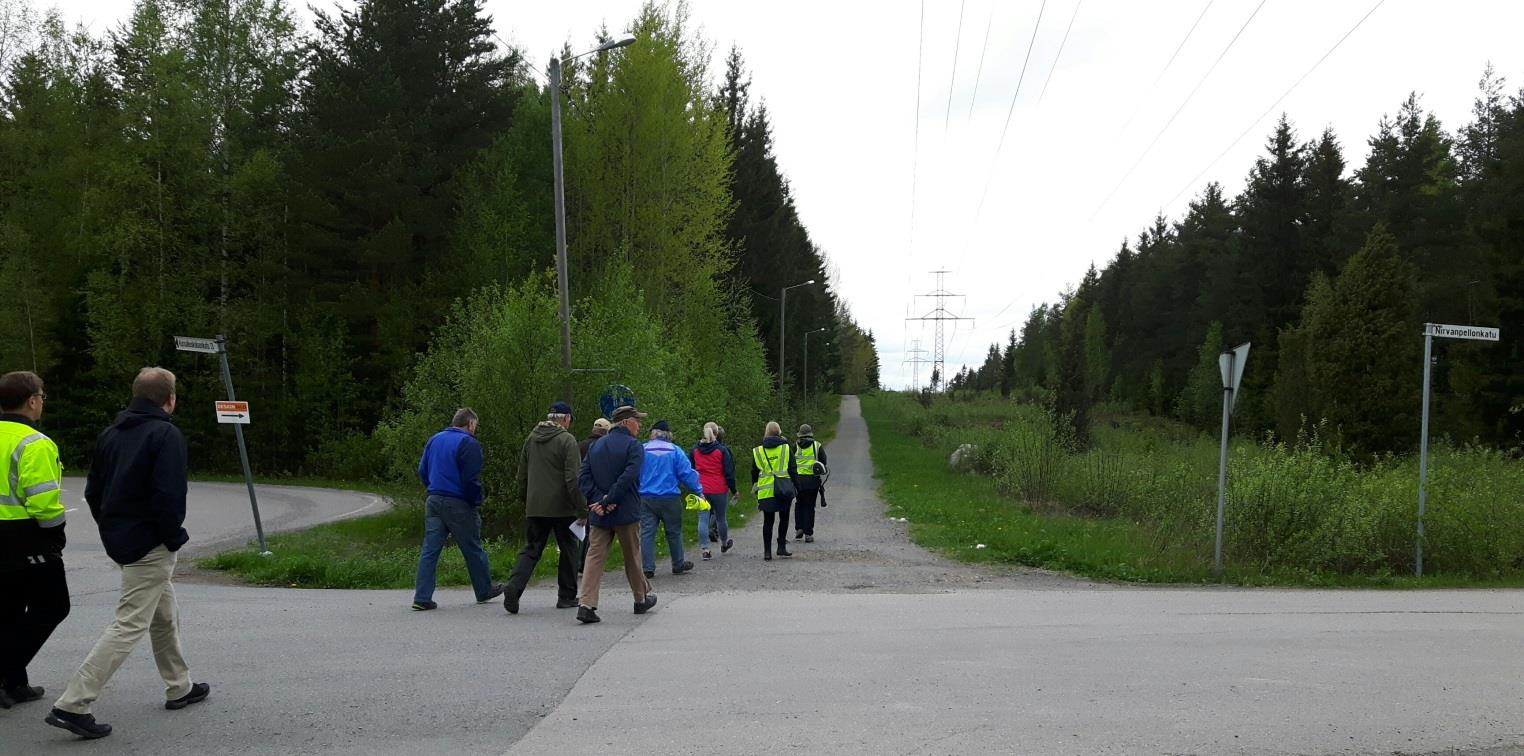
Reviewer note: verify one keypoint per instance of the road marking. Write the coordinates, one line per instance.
(373, 502)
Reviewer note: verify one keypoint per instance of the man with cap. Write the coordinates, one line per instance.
(610, 481)
(549, 465)
(600, 429)
(809, 463)
(666, 469)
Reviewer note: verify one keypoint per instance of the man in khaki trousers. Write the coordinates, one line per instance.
(136, 491)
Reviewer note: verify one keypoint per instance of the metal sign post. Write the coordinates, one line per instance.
(1430, 330)
(238, 415)
(1232, 364)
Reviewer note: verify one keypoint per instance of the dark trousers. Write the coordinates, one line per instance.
(33, 600)
(767, 530)
(537, 535)
(804, 510)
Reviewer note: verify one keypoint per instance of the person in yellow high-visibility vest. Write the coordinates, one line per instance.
(34, 596)
(809, 463)
(771, 463)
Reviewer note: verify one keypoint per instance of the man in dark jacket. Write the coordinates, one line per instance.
(610, 480)
(136, 491)
(451, 470)
(34, 594)
(549, 466)
(600, 429)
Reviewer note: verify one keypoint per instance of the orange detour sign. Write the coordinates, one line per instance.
(233, 412)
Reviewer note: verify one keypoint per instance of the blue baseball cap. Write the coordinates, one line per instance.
(560, 408)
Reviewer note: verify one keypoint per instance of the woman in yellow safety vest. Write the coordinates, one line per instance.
(774, 487)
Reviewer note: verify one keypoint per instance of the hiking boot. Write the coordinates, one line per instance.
(707, 555)
(197, 694)
(511, 601)
(587, 615)
(424, 606)
(784, 552)
(729, 544)
(566, 604)
(650, 574)
(83, 725)
(641, 607)
(497, 590)
(767, 556)
(681, 568)
(809, 538)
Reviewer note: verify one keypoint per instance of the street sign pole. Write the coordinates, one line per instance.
(243, 451)
(1231, 363)
(1423, 447)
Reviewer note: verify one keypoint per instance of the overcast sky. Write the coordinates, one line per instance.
(840, 80)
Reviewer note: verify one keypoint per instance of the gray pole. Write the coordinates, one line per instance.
(1423, 448)
(782, 331)
(806, 379)
(1222, 469)
(243, 451)
(560, 190)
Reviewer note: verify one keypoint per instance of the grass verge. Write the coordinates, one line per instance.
(966, 517)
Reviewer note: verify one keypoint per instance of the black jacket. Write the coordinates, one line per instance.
(137, 481)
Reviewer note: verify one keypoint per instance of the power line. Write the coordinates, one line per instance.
(1059, 56)
(957, 45)
(980, 73)
(1277, 102)
(1141, 100)
(915, 160)
(1009, 111)
(939, 316)
(1178, 110)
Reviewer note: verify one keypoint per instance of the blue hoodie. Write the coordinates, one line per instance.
(665, 467)
(452, 466)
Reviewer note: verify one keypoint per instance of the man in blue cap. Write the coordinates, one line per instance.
(553, 500)
(666, 467)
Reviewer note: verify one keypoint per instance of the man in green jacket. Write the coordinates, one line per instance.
(548, 468)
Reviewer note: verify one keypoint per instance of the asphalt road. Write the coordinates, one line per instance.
(863, 643)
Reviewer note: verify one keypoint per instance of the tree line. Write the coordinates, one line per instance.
(354, 203)
(1330, 274)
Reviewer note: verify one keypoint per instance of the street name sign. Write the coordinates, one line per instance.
(1470, 333)
(233, 412)
(192, 344)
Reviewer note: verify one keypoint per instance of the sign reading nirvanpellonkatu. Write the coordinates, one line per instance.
(192, 344)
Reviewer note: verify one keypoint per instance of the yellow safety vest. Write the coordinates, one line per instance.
(30, 476)
(807, 458)
(771, 463)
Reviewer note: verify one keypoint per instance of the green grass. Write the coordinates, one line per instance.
(1139, 506)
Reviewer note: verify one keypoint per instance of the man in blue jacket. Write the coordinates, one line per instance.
(451, 469)
(666, 467)
(610, 480)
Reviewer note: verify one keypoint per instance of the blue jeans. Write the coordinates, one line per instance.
(669, 512)
(445, 516)
(718, 503)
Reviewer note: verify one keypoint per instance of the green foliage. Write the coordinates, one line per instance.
(1139, 504)
(1200, 404)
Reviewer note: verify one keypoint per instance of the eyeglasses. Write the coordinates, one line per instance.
(41, 395)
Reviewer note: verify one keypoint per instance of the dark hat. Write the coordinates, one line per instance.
(626, 412)
(560, 408)
(661, 425)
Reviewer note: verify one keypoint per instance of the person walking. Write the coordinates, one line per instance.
(136, 492)
(549, 465)
(809, 463)
(34, 595)
(450, 469)
(610, 481)
(717, 474)
(600, 429)
(770, 464)
(665, 472)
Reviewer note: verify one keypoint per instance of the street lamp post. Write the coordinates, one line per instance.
(562, 284)
(782, 341)
(807, 336)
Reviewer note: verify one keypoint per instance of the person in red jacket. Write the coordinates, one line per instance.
(717, 474)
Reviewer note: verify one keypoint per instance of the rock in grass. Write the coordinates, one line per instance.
(962, 459)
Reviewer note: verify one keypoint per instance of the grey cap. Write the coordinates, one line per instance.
(806, 430)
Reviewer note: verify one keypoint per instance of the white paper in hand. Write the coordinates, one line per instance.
(579, 530)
